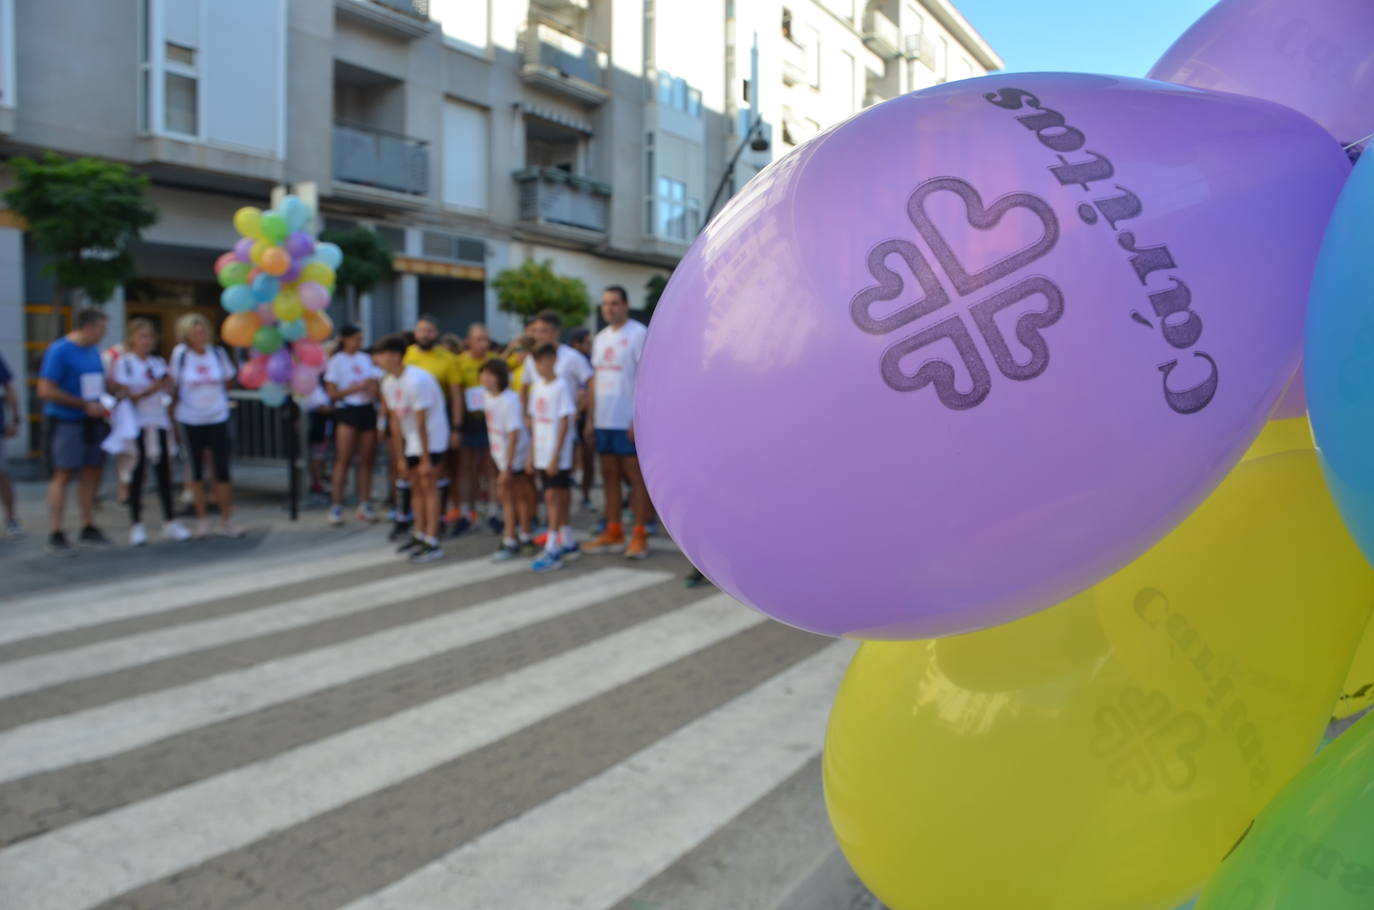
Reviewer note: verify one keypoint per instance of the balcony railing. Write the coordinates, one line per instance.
(417, 8)
(881, 34)
(551, 196)
(377, 158)
(559, 60)
(921, 47)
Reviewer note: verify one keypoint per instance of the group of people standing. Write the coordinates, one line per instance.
(131, 402)
(458, 421)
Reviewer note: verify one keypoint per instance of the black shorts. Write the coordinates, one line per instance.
(559, 480)
(318, 427)
(361, 417)
(213, 437)
(435, 458)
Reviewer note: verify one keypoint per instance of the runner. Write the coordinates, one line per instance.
(474, 457)
(142, 377)
(584, 444)
(201, 373)
(440, 363)
(510, 444)
(351, 380)
(70, 383)
(616, 354)
(419, 434)
(551, 410)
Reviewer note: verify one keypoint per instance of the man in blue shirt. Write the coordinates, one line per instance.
(70, 383)
(8, 430)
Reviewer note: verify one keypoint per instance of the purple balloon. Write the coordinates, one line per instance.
(279, 366)
(980, 346)
(293, 273)
(300, 245)
(1313, 56)
(243, 249)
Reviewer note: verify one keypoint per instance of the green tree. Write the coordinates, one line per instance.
(366, 262)
(533, 286)
(653, 289)
(82, 213)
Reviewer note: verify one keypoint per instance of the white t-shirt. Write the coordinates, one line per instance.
(615, 356)
(411, 392)
(347, 370)
(572, 368)
(503, 418)
(138, 373)
(548, 402)
(200, 379)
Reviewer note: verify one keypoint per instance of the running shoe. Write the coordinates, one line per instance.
(91, 536)
(366, 513)
(496, 524)
(413, 544)
(608, 541)
(651, 528)
(547, 562)
(14, 530)
(335, 516)
(506, 553)
(58, 545)
(570, 552)
(427, 553)
(639, 546)
(461, 526)
(400, 532)
(229, 529)
(175, 530)
(138, 535)
(202, 529)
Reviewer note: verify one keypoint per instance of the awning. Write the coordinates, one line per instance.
(550, 115)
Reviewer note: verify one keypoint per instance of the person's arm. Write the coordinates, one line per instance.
(49, 391)
(512, 440)
(558, 444)
(423, 468)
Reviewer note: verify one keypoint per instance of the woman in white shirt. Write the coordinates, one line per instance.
(140, 376)
(201, 373)
(351, 381)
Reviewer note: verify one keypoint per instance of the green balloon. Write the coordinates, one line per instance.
(233, 273)
(267, 340)
(1312, 848)
(274, 227)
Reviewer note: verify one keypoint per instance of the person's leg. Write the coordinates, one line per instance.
(7, 495)
(87, 487)
(564, 523)
(638, 547)
(466, 479)
(137, 480)
(431, 503)
(612, 536)
(57, 498)
(224, 490)
(367, 459)
(164, 477)
(505, 493)
(197, 444)
(345, 441)
(523, 495)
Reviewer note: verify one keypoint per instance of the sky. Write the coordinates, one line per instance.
(1114, 37)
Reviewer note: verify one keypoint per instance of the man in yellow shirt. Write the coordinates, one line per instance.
(427, 354)
(474, 453)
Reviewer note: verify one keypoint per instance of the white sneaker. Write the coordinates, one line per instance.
(335, 516)
(202, 529)
(366, 513)
(228, 529)
(138, 535)
(14, 530)
(175, 530)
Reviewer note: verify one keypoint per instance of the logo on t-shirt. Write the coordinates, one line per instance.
(202, 369)
(610, 354)
(945, 321)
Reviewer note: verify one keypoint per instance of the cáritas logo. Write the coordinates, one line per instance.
(953, 323)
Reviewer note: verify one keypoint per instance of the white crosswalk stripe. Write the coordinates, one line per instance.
(45, 670)
(534, 650)
(110, 729)
(696, 780)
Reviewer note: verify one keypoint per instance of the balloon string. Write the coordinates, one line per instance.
(1358, 142)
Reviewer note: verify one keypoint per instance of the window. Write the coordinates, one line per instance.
(787, 24)
(677, 216)
(848, 77)
(811, 42)
(180, 76)
(179, 96)
(678, 94)
(466, 170)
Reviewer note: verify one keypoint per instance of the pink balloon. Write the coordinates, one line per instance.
(1053, 311)
(253, 373)
(267, 314)
(304, 380)
(223, 260)
(308, 352)
(1312, 57)
(313, 295)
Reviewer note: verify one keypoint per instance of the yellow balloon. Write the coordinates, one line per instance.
(288, 306)
(319, 273)
(1109, 751)
(259, 247)
(1357, 695)
(248, 222)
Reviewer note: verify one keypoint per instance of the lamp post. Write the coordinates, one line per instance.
(753, 135)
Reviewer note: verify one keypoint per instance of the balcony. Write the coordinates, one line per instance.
(882, 35)
(558, 60)
(796, 63)
(549, 196)
(404, 19)
(380, 159)
(921, 47)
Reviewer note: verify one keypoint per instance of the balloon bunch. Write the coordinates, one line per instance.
(277, 284)
(1112, 594)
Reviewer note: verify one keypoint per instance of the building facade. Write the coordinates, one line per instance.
(470, 134)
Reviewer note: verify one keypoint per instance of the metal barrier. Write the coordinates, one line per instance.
(268, 435)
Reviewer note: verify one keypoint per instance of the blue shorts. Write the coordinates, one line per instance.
(614, 442)
(75, 444)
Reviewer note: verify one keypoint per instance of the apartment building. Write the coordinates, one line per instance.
(470, 134)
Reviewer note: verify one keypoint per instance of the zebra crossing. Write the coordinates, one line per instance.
(356, 732)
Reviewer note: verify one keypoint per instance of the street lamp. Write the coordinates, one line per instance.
(753, 136)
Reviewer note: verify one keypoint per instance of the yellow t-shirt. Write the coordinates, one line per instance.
(470, 368)
(437, 362)
(516, 362)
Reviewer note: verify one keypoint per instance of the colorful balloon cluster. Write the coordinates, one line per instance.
(1114, 596)
(277, 284)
